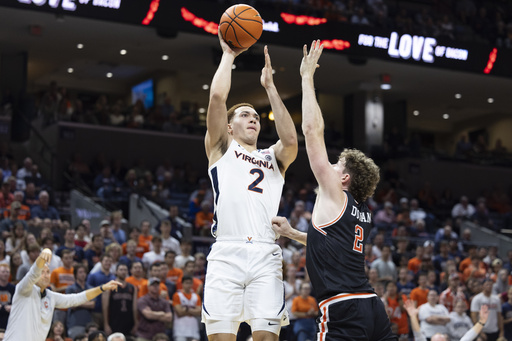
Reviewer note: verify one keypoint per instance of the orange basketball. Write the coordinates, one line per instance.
(241, 26)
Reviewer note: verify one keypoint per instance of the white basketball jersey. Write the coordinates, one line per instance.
(247, 190)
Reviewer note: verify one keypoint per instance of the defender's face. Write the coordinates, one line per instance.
(245, 124)
(44, 280)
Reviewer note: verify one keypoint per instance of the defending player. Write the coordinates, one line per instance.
(244, 264)
(340, 225)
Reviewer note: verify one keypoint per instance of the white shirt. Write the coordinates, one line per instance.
(186, 326)
(151, 256)
(458, 325)
(426, 310)
(494, 304)
(31, 315)
(179, 261)
(171, 243)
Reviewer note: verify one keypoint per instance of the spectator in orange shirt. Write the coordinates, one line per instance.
(137, 278)
(204, 219)
(174, 273)
(467, 261)
(188, 270)
(61, 278)
(141, 248)
(415, 262)
(395, 309)
(22, 211)
(145, 237)
(475, 270)
(419, 294)
(305, 309)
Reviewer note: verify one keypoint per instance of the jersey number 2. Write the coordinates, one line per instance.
(253, 186)
(358, 240)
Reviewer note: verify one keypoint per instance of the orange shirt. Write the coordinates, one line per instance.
(470, 271)
(145, 239)
(140, 284)
(303, 305)
(62, 277)
(398, 316)
(139, 251)
(203, 218)
(163, 288)
(419, 295)
(196, 283)
(176, 298)
(414, 264)
(23, 214)
(464, 264)
(174, 274)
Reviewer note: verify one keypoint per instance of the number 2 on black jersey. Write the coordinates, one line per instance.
(253, 186)
(358, 240)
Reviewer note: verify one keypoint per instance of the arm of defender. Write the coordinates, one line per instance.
(282, 227)
(287, 146)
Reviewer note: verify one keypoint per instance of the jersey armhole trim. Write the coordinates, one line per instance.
(320, 228)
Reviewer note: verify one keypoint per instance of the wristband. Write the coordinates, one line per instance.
(101, 288)
(483, 324)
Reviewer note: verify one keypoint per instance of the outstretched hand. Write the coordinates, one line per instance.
(228, 49)
(484, 313)
(112, 285)
(267, 78)
(310, 60)
(410, 308)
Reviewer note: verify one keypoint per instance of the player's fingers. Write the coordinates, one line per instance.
(305, 50)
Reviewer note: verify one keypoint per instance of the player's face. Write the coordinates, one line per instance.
(245, 124)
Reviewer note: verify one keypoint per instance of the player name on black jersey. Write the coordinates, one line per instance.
(364, 217)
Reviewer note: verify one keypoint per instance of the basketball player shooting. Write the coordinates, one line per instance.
(341, 222)
(244, 275)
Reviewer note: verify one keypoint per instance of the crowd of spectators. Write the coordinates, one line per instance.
(418, 248)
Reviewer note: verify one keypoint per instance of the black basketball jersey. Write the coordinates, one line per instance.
(335, 256)
(120, 313)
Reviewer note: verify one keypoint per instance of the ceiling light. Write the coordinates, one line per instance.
(80, 46)
(123, 52)
(271, 115)
(490, 100)
(206, 86)
(70, 70)
(165, 57)
(233, 66)
(446, 116)
(109, 74)
(385, 86)
(416, 113)
(273, 71)
(202, 110)
(458, 96)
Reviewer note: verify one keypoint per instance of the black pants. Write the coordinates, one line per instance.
(362, 319)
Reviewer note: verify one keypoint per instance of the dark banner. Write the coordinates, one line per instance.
(157, 13)
(357, 40)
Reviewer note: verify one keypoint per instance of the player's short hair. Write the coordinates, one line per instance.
(231, 111)
(364, 174)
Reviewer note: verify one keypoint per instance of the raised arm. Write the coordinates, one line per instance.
(312, 120)
(286, 148)
(216, 138)
(25, 286)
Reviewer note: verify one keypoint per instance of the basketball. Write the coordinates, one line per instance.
(241, 26)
